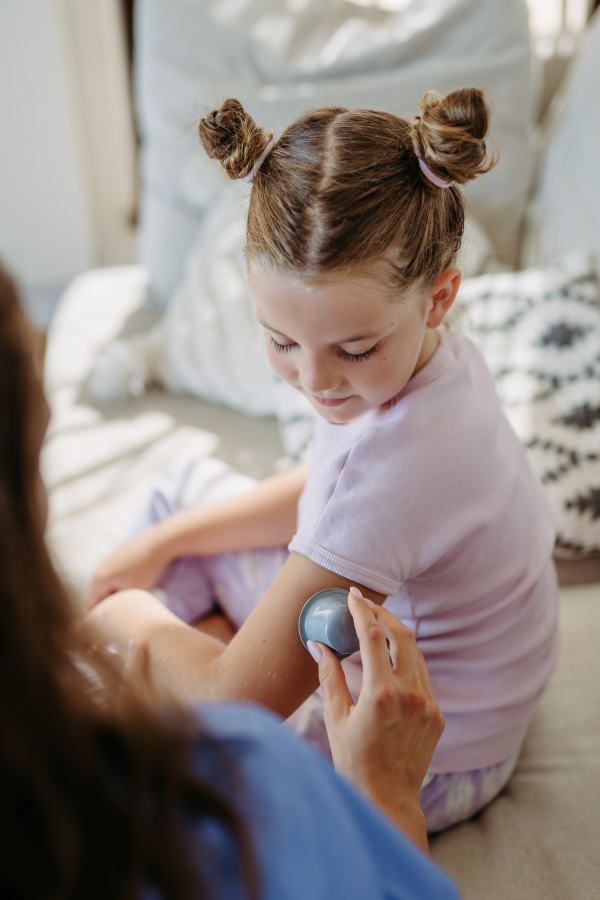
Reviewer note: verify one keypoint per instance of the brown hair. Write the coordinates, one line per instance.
(342, 189)
(93, 799)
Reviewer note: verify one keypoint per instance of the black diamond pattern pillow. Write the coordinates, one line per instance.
(539, 331)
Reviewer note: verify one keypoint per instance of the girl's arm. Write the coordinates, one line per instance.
(263, 517)
(265, 661)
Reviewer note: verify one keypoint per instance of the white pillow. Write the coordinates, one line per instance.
(565, 211)
(539, 331)
(280, 59)
(208, 343)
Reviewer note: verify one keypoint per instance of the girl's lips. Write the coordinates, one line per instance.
(324, 401)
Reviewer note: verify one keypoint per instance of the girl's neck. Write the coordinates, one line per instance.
(431, 342)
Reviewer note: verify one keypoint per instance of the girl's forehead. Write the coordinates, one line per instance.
(351, 308)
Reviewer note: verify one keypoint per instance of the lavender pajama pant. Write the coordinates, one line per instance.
(193, 586)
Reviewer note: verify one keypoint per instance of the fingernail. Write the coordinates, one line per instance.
(111, 649)
(130, 647)
(315, 652)
(356, 593)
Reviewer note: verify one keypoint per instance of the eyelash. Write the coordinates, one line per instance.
(281, 348)
(355, 357)
(361, 357)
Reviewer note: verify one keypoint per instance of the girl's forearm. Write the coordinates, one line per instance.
(263, 517)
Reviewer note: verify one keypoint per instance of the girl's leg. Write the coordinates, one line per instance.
(192, 586)
(451, 798)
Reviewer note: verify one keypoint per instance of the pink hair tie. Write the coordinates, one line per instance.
(432, 177)
(268, 146)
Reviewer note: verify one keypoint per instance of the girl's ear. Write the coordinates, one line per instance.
(442, 296)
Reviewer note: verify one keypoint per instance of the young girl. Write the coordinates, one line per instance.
(418, 489)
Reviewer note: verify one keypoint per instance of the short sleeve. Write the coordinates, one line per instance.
(357, 516)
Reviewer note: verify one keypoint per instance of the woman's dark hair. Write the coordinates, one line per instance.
(94, 798)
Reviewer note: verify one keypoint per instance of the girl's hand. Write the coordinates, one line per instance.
(385, 742)
(137, 564)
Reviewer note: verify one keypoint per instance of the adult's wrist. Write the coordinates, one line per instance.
(406, 813)
(396, 802)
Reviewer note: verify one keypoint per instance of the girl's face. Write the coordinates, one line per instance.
(345, 344)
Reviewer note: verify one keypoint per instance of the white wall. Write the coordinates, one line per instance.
(100, 67)
(67, 144)
(45, 220)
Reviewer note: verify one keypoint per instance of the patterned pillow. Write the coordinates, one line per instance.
(539, 331)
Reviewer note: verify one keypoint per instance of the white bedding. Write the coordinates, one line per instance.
(97, 462)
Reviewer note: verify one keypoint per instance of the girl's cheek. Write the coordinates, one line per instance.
(280, 365)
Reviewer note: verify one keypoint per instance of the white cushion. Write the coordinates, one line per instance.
(99, 461)
(281, 59)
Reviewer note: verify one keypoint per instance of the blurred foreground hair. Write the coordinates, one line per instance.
(94, 798)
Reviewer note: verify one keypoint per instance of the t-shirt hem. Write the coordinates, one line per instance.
(480, 753)
(343, 567)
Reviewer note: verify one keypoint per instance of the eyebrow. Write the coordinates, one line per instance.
(366, 336)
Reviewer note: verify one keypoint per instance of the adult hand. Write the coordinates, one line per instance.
(137, 564)
(383, 743)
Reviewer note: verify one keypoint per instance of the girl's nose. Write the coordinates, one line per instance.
(317, 377)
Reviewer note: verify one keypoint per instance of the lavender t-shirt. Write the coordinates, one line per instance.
(431, 501)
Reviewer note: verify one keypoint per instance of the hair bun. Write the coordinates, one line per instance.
(449, 135)
(231, 135)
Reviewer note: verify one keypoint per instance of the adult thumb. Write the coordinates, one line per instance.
(337, 699)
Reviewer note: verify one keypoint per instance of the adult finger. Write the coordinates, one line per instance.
(408, 660)
(337, 700)
(372, 640)
(402, 641)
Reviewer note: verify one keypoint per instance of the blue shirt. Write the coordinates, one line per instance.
(315, 837)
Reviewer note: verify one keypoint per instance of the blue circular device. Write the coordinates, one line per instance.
(327, 619)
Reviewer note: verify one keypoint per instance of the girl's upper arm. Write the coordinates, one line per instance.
(266, 661)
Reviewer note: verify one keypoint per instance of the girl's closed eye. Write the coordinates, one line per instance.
(354, 357)
(281, 348)
(360, 357)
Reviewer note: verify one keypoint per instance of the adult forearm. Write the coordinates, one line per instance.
(263, 517)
